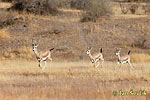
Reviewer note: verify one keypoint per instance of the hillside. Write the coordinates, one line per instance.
(70, 37)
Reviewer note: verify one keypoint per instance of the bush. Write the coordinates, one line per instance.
(146, 7)
(42, 7)
(139, 43)
(8, 19)
(6, 0)
(96, 9)
(80, 4)
(19, 53)
(63, 3)
(134, 8)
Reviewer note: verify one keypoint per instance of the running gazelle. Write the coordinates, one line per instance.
(95, 58)
(124, 59)
(41, 56)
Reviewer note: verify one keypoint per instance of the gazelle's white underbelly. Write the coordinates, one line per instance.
(122, 62)
(44, 58)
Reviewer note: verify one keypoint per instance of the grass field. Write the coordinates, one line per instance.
(71, 76)
(23, 80)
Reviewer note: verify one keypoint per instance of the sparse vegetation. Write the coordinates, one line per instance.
(4, 35)
(6, 0)
(8, 19)
(140, 43)
(67, 80)
(6, 15)
(96, 9)
(80, 4)
(146, 8)
(42, 7)
(125, 8)
(133, 8)
(21, 53)
(140, 58)
(63, 3)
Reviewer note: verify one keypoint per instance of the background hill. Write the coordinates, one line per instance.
(70, 37)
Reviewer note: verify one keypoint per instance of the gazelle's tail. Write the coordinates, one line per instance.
(101, 50)
(129, 52)
(51, 49)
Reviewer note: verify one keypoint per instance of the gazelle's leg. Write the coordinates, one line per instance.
(130, 65)
(40, 64)
(94, 64)
(45, 63)
(116, 68)
(97, 64)
(50, 59)
(102, 63)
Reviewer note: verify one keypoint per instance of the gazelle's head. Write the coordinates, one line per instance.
(88, 51)
(34, 46)
(117, 52)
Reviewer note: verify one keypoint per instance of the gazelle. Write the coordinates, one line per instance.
(124, 59)
(95, 58)
(41, 56)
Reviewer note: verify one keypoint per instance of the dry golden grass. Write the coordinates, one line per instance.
(4, 35)
(5, 5)
(23, 80)
(71, 10)
(140, 58)
(21, 53)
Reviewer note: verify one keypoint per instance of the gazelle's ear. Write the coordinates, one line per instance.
(37, 44)
(32, 41)
(89, 48)
(38, 40)
(118, 49)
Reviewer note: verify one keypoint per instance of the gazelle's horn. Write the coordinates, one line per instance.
(89, 48)
(118, 49)
(38, 40)
(32, 41)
